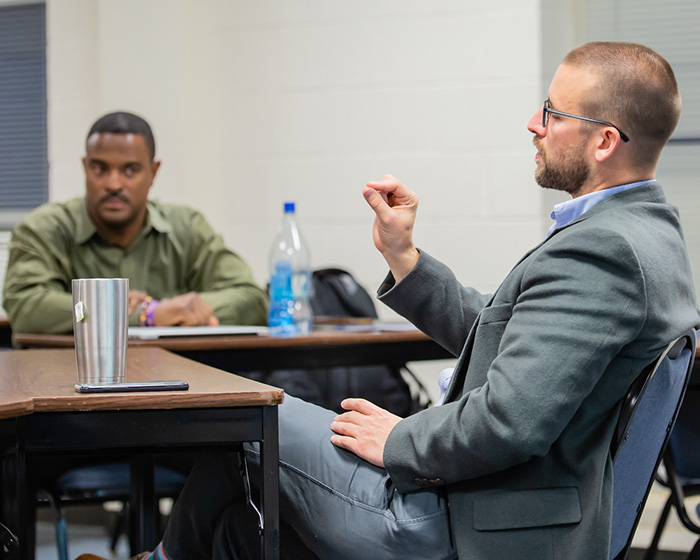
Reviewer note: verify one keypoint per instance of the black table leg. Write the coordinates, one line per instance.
(269, 460)
(17, 513)
(142, 505)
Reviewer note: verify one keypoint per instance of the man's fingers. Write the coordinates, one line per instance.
(393, 192)
(195, 317)
(387, 183)
(360, 405)
(352, 416)
(135, 299)
(345, 428)
(388, 186)
(185, 310)
(376, 201)
(344, 442)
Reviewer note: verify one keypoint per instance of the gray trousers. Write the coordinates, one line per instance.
(333, 504)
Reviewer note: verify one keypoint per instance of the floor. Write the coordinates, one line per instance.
(675, 537)
(87, 527)
(88, 531)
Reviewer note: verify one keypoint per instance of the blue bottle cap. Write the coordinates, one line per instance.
(288, 207)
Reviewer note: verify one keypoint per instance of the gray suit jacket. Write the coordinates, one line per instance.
(522, 443)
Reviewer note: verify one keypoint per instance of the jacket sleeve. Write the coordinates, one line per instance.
(576, 308)
(433, 299)
(223, 279)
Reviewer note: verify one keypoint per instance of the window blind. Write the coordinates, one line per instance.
(671, 28)
(23, 138)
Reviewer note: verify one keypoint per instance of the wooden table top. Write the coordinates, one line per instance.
(43, 381)
(316, 338)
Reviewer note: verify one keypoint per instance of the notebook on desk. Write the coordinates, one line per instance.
(149, 333)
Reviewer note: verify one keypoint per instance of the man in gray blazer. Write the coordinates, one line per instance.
(516, 463)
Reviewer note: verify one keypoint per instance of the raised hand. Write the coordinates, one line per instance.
(395, 207)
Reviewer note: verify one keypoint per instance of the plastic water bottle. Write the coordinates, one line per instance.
(290, 280)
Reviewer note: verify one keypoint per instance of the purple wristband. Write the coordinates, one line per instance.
(149, 312)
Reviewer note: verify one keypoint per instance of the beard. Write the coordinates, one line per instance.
(568, 173)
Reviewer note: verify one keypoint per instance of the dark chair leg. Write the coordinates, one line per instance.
(9, 543)
(119, 528)
(61, 528)
(654, 546)
(695, 553)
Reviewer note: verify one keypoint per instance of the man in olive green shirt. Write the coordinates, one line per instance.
(180, 272)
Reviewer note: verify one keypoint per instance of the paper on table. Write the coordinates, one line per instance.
(396, 327)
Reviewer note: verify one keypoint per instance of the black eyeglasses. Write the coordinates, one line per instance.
(546, 110)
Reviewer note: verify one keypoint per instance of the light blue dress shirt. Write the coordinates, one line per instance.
(566, 212)
(563, 214)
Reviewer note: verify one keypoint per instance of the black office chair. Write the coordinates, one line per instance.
(648, 414)
(98, 484)
(682, 467)
(695, 552)
(9, 544)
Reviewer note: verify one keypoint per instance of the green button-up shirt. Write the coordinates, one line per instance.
(176, 252)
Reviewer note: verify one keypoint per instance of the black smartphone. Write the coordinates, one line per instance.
(128, 386)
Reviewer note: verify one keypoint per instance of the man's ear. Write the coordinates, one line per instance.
(609, 142)
(155, 166)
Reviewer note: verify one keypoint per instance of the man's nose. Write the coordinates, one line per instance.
(535, 124)
(113, 181)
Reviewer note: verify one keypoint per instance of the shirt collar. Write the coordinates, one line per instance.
(85, 227)
(566, 212)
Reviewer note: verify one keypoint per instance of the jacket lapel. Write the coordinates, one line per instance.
(650, 192)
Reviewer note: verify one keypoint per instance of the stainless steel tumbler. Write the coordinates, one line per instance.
(100, 324)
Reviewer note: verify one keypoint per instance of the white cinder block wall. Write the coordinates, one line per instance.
(254, 103)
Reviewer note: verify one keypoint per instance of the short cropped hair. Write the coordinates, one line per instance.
(125, 123)
(636, 90)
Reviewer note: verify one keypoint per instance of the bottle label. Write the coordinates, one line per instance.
(290, 310)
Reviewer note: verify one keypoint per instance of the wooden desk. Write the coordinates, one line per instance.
(42, 415)
(259, 352)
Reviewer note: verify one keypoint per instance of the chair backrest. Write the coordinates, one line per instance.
(648, 414)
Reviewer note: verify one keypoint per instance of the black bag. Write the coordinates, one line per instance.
(336, 293)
